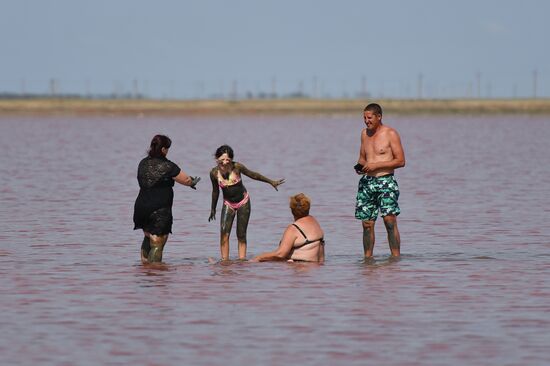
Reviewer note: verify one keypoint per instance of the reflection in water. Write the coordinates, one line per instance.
(228, 268)
(471, 286)
(381, 261)
(154, 275)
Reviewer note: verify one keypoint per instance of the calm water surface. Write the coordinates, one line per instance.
(472, 287)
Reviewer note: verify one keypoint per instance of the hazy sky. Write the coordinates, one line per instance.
(195, 49)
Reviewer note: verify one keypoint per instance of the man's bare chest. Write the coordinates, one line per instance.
(377, 145)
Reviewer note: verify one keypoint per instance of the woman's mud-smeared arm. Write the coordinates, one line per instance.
(257, 176)
(215, 195)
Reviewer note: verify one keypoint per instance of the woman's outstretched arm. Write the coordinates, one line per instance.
(257, 176)
(186, 180)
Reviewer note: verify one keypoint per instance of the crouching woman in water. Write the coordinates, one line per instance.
(227, 176)
(302, 240)
(153, 206)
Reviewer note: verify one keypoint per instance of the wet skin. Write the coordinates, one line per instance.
(394, 239)
(382, 145)
(226, 222)
(152, 247)
(145, 248)
(234, 194)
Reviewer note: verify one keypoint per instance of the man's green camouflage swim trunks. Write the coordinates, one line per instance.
(377, 193)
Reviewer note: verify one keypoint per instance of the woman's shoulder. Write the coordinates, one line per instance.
(293, 226)
(309, 223)
(156, 159)
(169, 161)
(147, 160)
(306, 219)
(291, 230)
(165, 161)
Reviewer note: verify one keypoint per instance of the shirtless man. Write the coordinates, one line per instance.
(380, 154)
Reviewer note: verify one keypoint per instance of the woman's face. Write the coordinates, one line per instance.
(224, 161)
(164, 150)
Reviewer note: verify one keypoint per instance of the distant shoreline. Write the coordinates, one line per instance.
(143, 107)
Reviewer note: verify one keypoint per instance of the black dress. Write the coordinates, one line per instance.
(153, 207)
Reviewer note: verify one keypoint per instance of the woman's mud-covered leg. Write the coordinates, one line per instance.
(243, 215)
(145, 247)
(226, 222)
(157, 243)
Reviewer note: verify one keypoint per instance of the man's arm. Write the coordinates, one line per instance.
(362, 160)
(257, 176)
(397, 150)
(362, 155)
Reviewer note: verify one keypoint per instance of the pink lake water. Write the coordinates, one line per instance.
(472, 286)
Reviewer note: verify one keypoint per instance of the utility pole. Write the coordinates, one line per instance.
(419, 86)
(478, 79)
(87, 86)
(314, 91)
(234, 91)
(172, 89)
(363, 87)
(53, 87)
(202, 89)
(274, 87)
(221, 89)
(135, 88)
(535, 77)
(116, 89)
(146, 89)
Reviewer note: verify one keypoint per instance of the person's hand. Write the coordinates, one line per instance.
(194, 181)
(276, 183)
(369, 167)
(212, 215)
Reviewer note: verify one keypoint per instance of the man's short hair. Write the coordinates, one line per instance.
(374, 108)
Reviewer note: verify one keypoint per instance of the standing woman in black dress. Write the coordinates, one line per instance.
(153, 207)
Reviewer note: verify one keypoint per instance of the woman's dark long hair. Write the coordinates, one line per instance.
(157, 143)
(224, 149)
